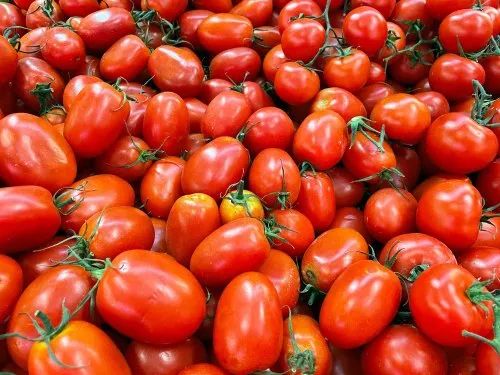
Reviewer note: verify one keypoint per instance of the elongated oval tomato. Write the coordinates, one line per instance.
(168, 10)
(11, 285)
(248, 328)
(46, 160)
(63, 48)
(141, 296)
(74, 86)
(28, 218)
(223, 31)
(236, 64)
(236, 247)
(66, 285)
(215, 167)
(8, 61)
(330, 254)
(442, 309)
(96, 119)
(192, 218)
(126, 58)
(366, 291)
(79, 344)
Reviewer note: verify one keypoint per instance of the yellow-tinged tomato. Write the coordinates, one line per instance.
(240, 203)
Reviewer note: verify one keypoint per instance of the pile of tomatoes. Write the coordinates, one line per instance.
(215, 187)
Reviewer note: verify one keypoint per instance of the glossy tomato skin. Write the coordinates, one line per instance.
(79, 344)
(349, 72)
(364, 290)
(439, 9)
(330, 254)
(202, 369)
(11, 285)
(441, 308)
(435, 102)
(321, 139)
(74, 87)
(220, 32)
(176, 69)
(347, 192)
(68, 285)
(371, 94)
(96, 119)
(126, 58)
(196, 109)
(302, 39)
(295, 84)
(160, 241)
(484, 263)
(365, 28)
(402, 349)
(169, 10)
(293, 8)
(489, 234)
(272, 60)
(8, 61)
(63, 48)
(236, 64)
(28, 218)
(11, 15)
(351, 217)
(338, 100)
(236, 247)
(248, 330)
(47, 160)
(189, 22)
(488, 183)
(295, 229)
(214, 167)
(144, 359)
(258, 12)
(487, 359)
(170, 285)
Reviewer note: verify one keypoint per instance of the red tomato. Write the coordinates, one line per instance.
(338, 100)
(11, 285)
(196, 109)
(166, 123)
(28, 218)
(385, 7)
(295, 84)
(258, 12)
(248, 327)
(275, 178)
(192, 218)
(255, 94)
(347, 192)
(435, 102)
(293, 9)
(47, 160)
(80, 8)
(402, 349)
(8, 61)
(302, 39)
(487, 359)
(218, 6)
(348, 71)
(404, 69)
(489, 233)
(168, 10)
(220, 32)
(30, 42)
(433, 180)
(126, 59)
(365, 291)
(63, 48)
(236, 64)
(442, 309)
(376, 74)
(214, 167)
(370, 95)
(139, 276)
(439, 9)
(491, 66)
(366, 29)
(488, 183)
(202, 369)
(272, 61)
(351, 217)
(159, 243)
(484, 263)
(74, 87)
(42, 13)
(189, 22)
(145, 359)
(11, 15)
(265, 38)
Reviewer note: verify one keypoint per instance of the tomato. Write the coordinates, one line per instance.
(295, 8)
(8, 63)
(202, 369)
(145, 359)
(226, 114)
(169, 10)
(89, 67)
(28, 218)
(196, 109)
(385, 7)
(376, 73)
(439, 9)
(126, 59)
(236, 247)
(488, 183)
(294, 231)
(42, 13)
(406, 251)
(265, 38)
(33, 73)
(452, 76)
(215, 167)
(220, 32)
(10, 15)
(60, 285)
(275, 178)
(487, 359)
(403, 117)
(457, 144)
(412, 66)
(366, 29)
(321, 139)
(192, 218)
(347, 192)
(139, 276)
(282, 271)
(48, 160)
(236, 64)
(74, 87)
(30, 42)
(370, 95)
(302, 39)
(489, 233)
(258, 12)
(176, 69)
(353, 218)
(100, 29)
(63, 49)
(442, 310)
(80, 8)
(96, 119)
(409, 164)
(272, 61)
(240, 203)
(484, 263)
(248, 327)
(79, 344)
(159, 243)
(402, 349)
(194, 142)
(365, 291)
(301, 334)
(189, 22)
(11, 285)
(268, 127)
(295, 84)
(218, 6)
(255, 94)
(491, 66)
(435, 102)
(348, 71)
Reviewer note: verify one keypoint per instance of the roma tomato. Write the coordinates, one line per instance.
(236, 247)
(248, 327)
(74, 86)
(126, 59)
(28, 218)
(47, 159)
(214, 167)
(63, 48)
(348, 71)
(258, 12)
(488, 183)
(189, 22)
(347, 192)
(192, 218)
(139, 276)
(168, 10)
(43, 13)
(365, 291)
(435, 102)
(236, 64)
(366, 29)
(8, 61)
(441, 307)
(330, 254)
(11, 285)
(353, 218)
(484, 263)
(296, 84)
(220, 32)
(338, 100)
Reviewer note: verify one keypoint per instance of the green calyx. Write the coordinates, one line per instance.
(361, 124)
(66, 202)
(45, 96)
(300, 360)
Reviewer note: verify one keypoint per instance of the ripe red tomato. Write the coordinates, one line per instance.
(126, 59)
(435, 102)
(272, 61)
(351, 217)
(78, 8)
(218, 6)
(488, 183)
(347, 192)
(302, 39)
(11, 285)
(442, 309)
(248, 327)
(484, 263)
(63, 48)
(296, 84)
(11, 15)
(370, 95)
(74, 87)
(489, 233)
(439, 9)
(258, 12)
(385, 7)
(236, 64)
(222, 31)
(42, 13)
(365, 291)
(365, 28)
(8, 61)
(349, 71)
(338, 100)
(293, 9)
(169, 10)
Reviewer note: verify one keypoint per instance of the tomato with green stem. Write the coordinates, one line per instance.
(43, 13)
(240, 203)
(365, 28)
(295, 8)
(302, 39)
(338, 100)
(348, 69)
(412, 65)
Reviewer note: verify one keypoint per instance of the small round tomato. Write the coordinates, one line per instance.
(365, 291)
(365, 28)
(11, 285)
(349, 70)
(296, 84)
(240, 203)
(338, 100)
(126, 59)
(435, 102)
(484, 263)
(347, 192)
(302, 39)
(222, 31)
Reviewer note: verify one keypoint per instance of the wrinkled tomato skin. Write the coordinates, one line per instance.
(220, 32)
(162, 280)
(28, 218)
(484, 263)
(234, 248)
(353, 218)
(365, 291)
(11, 285)
(214, 167)
(295, 229)
(347, 192)
(144, 359)
(244, 340)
